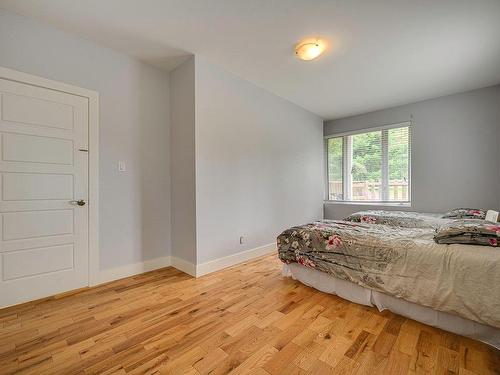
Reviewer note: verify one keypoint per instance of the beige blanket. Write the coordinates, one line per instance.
(402, 262)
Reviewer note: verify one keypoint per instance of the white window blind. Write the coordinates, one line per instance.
(370, 166)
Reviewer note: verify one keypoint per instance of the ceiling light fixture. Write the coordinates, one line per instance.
(309, 50)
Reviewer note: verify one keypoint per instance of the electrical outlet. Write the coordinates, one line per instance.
(242, 240)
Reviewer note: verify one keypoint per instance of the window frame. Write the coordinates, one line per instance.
(346, 162)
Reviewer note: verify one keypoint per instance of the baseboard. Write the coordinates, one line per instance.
(231, 260)
(132, 269)
(128, 270)
(184, 266)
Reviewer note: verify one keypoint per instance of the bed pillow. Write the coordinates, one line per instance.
(469, 232)
(492, 215)
(465, 213)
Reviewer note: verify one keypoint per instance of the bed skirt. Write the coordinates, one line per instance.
(355, 293)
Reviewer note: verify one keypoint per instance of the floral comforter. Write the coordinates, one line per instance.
(402, 262)
(469, 231)
(398, 218)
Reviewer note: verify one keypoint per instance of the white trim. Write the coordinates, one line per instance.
(347, 160)
(14, 75)
(410, 159)
(93, 223)
(127, 270)
(347, 171)
(231, 260)
(221, 263)
(184, 266)
(370, 203)
(191, 269)
(385, 164)
(369, 130)
(326, 167)
(93, 176)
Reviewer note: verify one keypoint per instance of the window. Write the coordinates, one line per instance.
(370, 166)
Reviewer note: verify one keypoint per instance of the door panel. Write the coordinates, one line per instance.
(35, 242)
(40, 111)
(31, 224)
(37, 186)
(36, 262)
(43, 235)
(29, 148)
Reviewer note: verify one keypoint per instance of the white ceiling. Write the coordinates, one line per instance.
(382, 52)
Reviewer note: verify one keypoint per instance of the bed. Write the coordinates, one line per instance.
(400, 267)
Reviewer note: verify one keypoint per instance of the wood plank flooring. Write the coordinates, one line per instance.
(243, 320)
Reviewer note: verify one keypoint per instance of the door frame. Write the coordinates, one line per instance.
(93, 165)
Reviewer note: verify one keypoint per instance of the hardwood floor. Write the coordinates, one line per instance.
(243, 320)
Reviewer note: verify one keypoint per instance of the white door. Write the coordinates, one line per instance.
(43, 172)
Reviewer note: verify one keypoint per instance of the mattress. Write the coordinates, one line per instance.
(355, 293)
(402, 262)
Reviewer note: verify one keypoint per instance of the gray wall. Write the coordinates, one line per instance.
(259, 164)
(134, 127)
(455, 150)
(182, 151)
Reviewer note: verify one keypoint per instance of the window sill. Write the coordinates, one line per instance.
(356, 203)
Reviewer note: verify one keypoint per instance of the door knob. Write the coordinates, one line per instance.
(80, 202)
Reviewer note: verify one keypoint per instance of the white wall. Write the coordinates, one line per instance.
(259, 164)
(251, 165)
(455, 150)
(182, 150)
(134, 127)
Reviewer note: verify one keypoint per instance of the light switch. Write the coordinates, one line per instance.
(121, 166)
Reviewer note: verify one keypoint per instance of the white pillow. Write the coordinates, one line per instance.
(491, 216)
